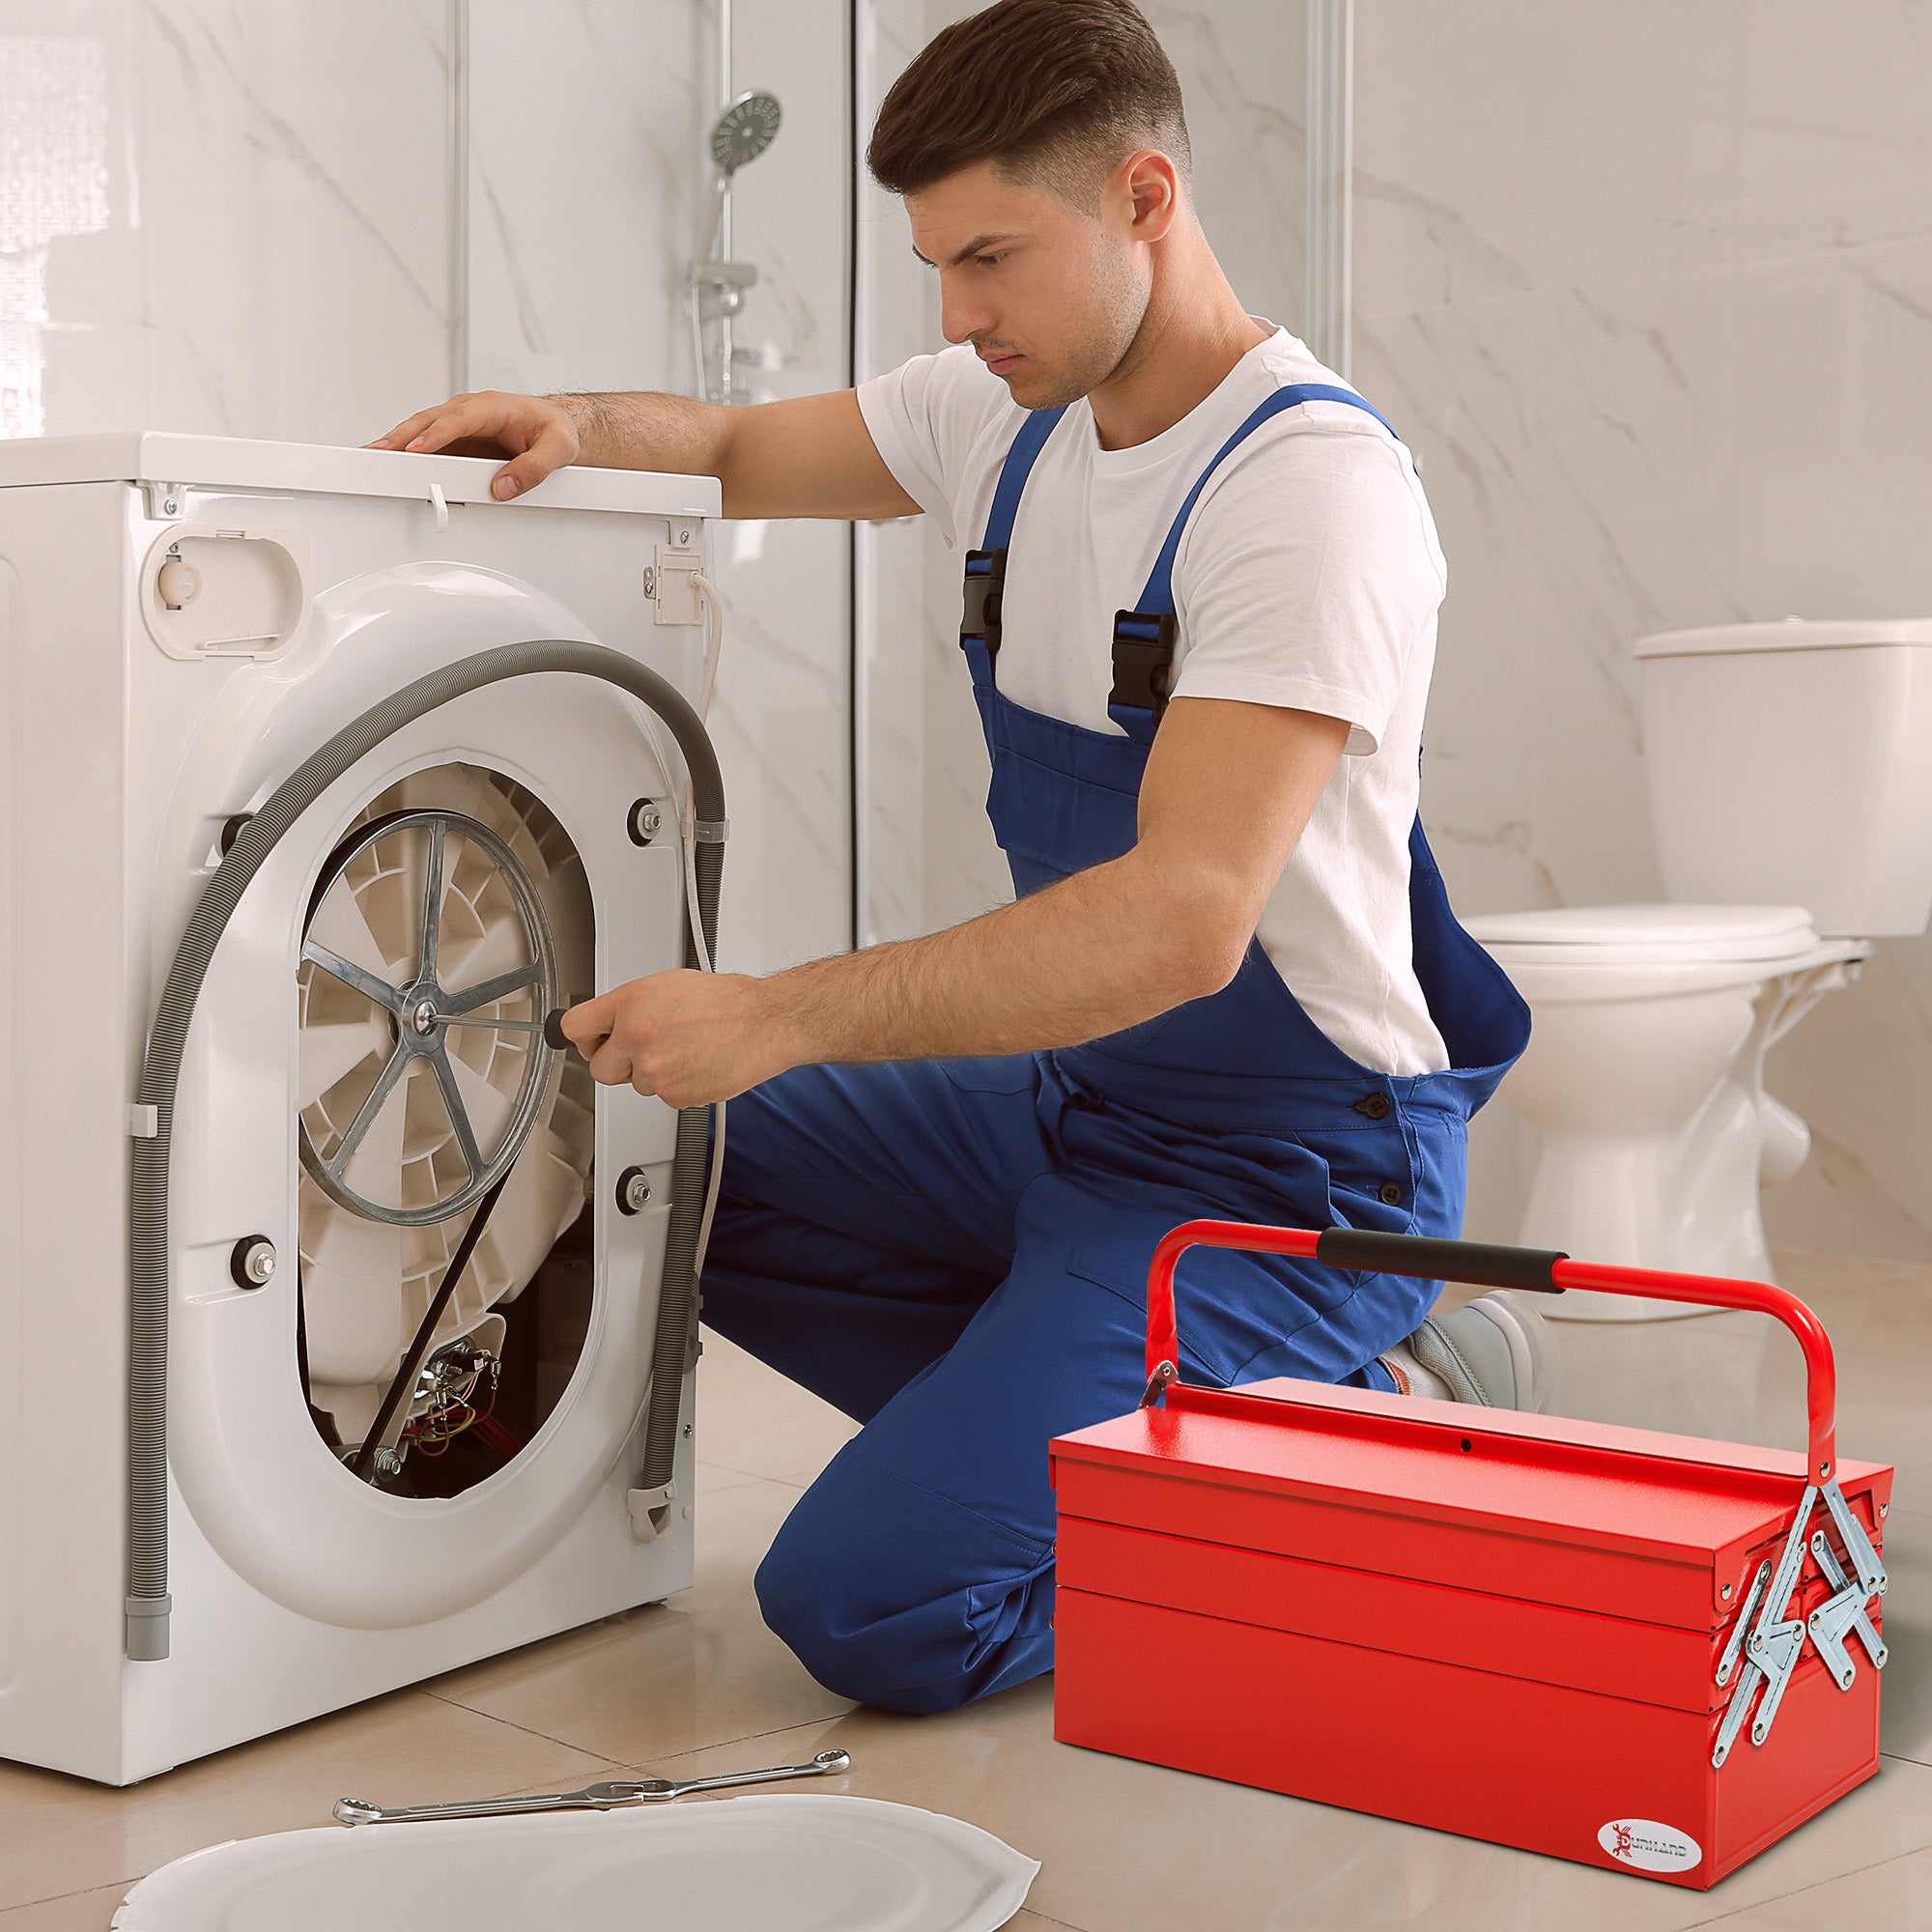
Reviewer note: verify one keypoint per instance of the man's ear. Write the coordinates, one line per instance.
(1149, 183)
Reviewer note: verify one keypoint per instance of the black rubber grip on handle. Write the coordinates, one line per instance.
(554, 1035)
(1479, 1263)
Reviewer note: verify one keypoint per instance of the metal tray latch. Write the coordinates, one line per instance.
(1776, 1640)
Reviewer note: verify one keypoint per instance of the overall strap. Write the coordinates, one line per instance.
(1144, 638)
(986, 566)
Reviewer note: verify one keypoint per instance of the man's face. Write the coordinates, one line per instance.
(1049, 295)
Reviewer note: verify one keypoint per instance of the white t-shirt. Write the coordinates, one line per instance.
(1309, 575)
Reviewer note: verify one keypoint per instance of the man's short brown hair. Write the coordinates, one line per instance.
(1052, 92)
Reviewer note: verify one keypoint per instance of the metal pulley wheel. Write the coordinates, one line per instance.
(409, 873)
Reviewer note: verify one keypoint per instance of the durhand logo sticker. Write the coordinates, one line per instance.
(1648, 1846)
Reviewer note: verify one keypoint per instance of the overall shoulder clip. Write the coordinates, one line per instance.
(1143, 660)
(985, 580)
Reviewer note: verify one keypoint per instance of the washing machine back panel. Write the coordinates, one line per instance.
(13, 1448)
(63, 1280)
(119, 766)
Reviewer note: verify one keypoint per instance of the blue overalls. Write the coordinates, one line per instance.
(955, 1252)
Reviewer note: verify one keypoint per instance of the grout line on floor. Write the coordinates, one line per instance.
(1799, 1891)
(757, 1475)
(749, 1738)
(80, 1891)
(549, 1738)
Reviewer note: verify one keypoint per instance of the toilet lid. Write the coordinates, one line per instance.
(800, 1861)
(1637, 934)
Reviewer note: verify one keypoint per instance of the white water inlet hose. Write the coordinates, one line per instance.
(714, 652)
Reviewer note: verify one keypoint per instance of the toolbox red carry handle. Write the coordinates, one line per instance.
(1540, 1270)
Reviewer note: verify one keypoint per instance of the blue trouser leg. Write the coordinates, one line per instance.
(866, 1214)
(956, 1253)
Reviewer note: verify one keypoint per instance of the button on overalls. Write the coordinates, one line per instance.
(955, 1252)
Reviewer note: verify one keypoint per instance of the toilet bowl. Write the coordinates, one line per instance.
(1644, 1076)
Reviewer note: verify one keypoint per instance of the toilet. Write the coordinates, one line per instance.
(1789, 767)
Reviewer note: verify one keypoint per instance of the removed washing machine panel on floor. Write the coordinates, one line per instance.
(183, 621)
(740, 1864)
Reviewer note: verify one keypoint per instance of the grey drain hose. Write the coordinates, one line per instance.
(148, 1604)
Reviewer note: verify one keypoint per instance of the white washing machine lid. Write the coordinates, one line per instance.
(1787, 634)
(803, 1862)
(239, 463)
(1639, 934)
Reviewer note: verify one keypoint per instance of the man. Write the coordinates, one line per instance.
(1230, 985)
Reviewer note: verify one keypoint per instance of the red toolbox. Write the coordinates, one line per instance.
(1633, 1650)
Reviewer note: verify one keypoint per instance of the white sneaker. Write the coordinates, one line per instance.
(1495, 1352)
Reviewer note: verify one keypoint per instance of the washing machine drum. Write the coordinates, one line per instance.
(806, 1862)
(449, 919)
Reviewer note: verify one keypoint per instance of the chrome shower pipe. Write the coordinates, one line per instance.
(1330, 150)
(722, 247)
(457, 121)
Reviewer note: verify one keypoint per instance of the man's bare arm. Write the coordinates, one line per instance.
(809, 456)
(1228, 790)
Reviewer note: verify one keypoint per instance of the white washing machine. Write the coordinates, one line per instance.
(323, 781)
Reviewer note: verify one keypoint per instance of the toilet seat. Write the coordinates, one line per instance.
(1644, 1078)
(1772, 937)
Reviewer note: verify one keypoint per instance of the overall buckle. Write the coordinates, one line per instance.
(1143, 660)
(986, 579)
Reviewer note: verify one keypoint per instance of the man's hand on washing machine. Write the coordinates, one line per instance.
(689, 1038)
(539, 433)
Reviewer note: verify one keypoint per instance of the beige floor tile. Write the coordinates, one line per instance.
(698, 1670)
(750, 1418)
(80, 1912)
(60, 1835)
(1892, 1897)
(1129, 1847)
(714, 1476)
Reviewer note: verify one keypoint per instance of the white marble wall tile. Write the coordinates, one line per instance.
(295, 204)
(891, 575)
(1442, 108)
(894, 294)
(1833, 147)
(1243, 77)
(786, 714)
(1480, 816)
(1701, 291)
(587, 185)
(64, 201)
(261, 245)
(1453, 383)
(590, 189)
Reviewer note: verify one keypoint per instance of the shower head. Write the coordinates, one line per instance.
(744, 130)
